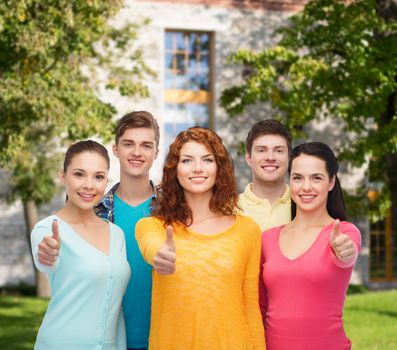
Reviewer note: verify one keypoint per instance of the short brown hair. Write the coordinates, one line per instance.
(267, 127)
(137, 119)
(170, 205)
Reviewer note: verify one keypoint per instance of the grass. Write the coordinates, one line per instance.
(20, 318)
(370, 320)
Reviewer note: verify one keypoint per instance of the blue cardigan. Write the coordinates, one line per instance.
(87, 287)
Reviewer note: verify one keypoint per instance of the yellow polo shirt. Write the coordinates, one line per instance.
(261, 211)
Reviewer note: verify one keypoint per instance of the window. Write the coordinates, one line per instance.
(383, 251)
(187, 82)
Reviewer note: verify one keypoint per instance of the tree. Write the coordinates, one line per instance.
(55, 57)
(335, 59)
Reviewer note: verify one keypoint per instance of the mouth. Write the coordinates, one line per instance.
(87, 197)
(198, 179)
(307, 197)
(269, 168)
(135, 162)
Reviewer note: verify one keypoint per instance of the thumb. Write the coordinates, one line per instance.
(335, 231)
(55, 232)
(170, 238)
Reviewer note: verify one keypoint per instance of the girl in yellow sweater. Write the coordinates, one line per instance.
(205, 255)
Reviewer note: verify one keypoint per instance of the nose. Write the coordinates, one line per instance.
(136, 151)
(88, 183)
(197, 166)
(307, 185)
(269, 155)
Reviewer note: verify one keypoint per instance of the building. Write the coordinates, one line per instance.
(188, 44)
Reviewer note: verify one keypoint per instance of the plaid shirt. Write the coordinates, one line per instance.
(105, 208)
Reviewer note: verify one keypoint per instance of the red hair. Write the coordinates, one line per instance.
(170, 206)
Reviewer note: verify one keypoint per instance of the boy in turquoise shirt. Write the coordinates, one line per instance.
(136, 147)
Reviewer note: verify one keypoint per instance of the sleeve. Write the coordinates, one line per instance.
(262, 288)
(150, 235)
(250, 290)
(121, 338)
(355, 235)
(38, 233)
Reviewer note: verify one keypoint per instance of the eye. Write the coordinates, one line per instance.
(100, 177)
(185, 160)
(78, 174)
(296, 178)
(209, 160)
(147, 146)
(317, 178)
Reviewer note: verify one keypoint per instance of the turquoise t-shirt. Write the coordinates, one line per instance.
(138, 296)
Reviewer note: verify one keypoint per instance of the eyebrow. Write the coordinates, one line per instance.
(206, 155)
(315, 174)
(265, 146)
(84, 171)
(75, 169)
(133, 141)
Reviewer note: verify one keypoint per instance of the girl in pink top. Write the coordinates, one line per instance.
(307, 264)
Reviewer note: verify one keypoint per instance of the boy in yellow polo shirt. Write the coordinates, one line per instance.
(267, 199)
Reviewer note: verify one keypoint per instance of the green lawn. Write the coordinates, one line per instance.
(370, 321)
(20, 318)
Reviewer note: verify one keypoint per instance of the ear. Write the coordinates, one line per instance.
(156, 153)
(332, 183)
(115, 150)
(61, 176)
(248, 159)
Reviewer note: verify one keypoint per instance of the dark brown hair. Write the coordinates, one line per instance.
(267, 127)
(335, 202)
(85, 146)
(138, 119)
(170, 206)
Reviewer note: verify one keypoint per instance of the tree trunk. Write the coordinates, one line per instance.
(391, 170)
(31, 217)
(387, 9)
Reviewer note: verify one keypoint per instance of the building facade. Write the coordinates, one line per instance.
(188, 44)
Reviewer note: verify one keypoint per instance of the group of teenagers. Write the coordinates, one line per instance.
(190, 264)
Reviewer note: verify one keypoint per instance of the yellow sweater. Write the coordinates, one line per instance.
(211, 301)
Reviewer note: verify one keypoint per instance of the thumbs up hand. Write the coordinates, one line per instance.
(341, 244)
(49, 246)
(164, 261)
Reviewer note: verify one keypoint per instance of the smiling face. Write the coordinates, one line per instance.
(268, 159)
(310, 183)
(85, 179)
(196, 169)
(136, 151)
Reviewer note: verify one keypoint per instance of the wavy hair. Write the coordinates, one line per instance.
(335, 202)
(170, 205)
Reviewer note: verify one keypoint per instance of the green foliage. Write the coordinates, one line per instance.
(335, 59)
(357, 289)
(55, 57)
